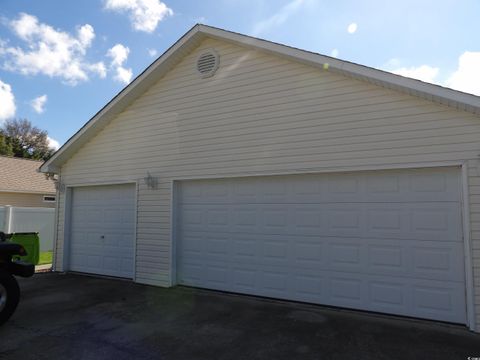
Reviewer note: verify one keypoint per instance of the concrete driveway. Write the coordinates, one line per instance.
(79, 317)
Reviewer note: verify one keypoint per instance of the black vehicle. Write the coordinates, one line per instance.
(9, 289)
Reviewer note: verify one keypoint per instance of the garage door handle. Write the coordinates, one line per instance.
(102, 237)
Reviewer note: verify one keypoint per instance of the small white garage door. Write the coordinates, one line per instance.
(102, 230)
(385, 241)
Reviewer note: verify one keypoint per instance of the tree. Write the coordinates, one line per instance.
(5, 148)
(26, 140)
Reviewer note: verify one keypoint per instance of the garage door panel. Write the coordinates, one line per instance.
(425, 299)
(92, 261)
(102, 230)
(244, 278)
(125, 241)
(309, 286)
(217, 245)
(244, 248)
(388, 296)
(387, 241)
(439, 221)
(345, 256)
(431, 260)
(434, 300)
(435, 185)
(443, 182)
(421, 298)
(440, 263)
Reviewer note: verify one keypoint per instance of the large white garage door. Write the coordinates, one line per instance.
(386, 241)
(102, 230)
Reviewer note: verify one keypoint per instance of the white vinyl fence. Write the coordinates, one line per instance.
(28, 219)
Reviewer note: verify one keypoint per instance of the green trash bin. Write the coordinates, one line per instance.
(31, 242)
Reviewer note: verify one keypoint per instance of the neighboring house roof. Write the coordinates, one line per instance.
(198, 33)
(22, 175)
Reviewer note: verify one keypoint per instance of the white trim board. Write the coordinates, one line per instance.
(420, 165)
(470, 293)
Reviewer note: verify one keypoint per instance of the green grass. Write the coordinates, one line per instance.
(45, 257)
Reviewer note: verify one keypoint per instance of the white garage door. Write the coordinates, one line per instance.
(386, 241)
(102, 230)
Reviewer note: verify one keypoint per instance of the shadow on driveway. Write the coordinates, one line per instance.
(80, 317)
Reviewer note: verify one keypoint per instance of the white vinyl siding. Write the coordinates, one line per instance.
(261, 114)
(25, 200)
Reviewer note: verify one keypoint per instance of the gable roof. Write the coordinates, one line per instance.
(21, 175)
(189, 41)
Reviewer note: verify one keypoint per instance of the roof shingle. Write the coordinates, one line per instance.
(21, 175)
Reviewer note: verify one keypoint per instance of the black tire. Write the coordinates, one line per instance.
(9, 295)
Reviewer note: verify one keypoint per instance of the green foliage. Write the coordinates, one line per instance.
(22, 139)
(5, 147)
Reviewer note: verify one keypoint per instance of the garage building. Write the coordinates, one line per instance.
(237, 164)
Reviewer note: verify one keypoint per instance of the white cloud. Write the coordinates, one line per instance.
(424, 72)
(53, 143)
(152, 52)
(38, 104)
(7, 102)
(352, 28)
(144, 14)
(334, 53)
(119, 54)
(467, 76)
(123, 75)
(393, 63)
(49, 51)
(86, 35)
(99, 68)
(278, 18)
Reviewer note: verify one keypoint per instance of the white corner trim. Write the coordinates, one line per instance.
(469, 291)
(173, 235)
(55, 224)
(135, 229)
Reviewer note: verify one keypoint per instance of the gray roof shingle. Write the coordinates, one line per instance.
(21, 175)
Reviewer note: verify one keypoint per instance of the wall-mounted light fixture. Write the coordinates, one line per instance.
(151, 181)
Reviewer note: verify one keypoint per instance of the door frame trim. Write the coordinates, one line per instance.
(465, 208)
(68, 218)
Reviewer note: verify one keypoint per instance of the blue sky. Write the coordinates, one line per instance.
(61, 61)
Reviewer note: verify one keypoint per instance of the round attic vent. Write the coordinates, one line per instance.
(207, 63)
